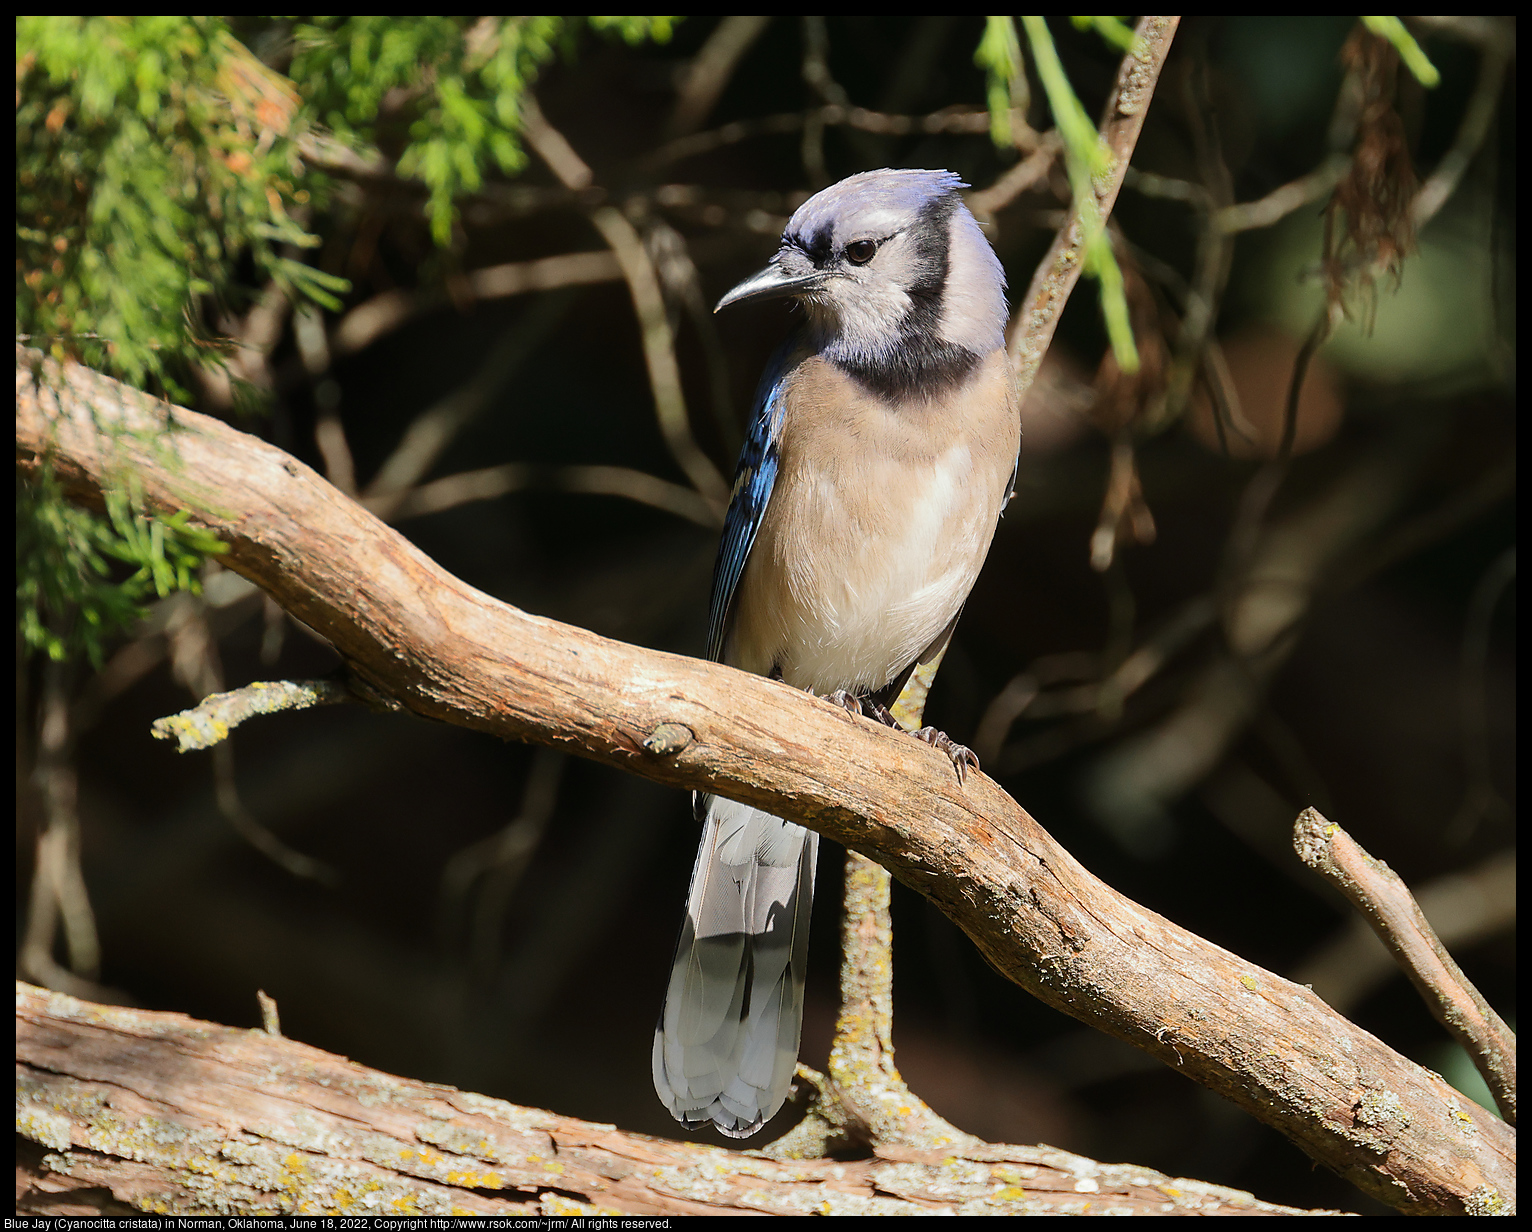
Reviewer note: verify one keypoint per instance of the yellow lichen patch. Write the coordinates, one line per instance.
(555, 1167)
(50, 1129)
(476, 1180)
(557, 1204)
(405, 1204)
(1011, 1193)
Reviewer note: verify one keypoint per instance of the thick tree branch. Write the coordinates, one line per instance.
(411, 631)
(1393, 914)
(126, 1110)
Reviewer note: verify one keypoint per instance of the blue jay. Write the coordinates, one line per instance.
(881, 451)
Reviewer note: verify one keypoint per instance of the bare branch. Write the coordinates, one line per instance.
(1280, 202)
(435, 428)
(210, 720)
(648, 302)
(495, 481)
(1465, 908)
(1433, 194)
(383, 313)
(864, 1100)
(134, 1110)
(710, 70)
(413, 632)
(948, 120)
(988, 202)
(1385, 902)
(1037, 315)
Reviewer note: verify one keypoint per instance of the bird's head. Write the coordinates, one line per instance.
(891, 266)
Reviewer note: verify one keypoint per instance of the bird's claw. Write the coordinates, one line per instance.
(962, 756)
(848, 701)
(867, 707)
(870, 708)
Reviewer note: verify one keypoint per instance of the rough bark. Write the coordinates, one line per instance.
(130, 1110)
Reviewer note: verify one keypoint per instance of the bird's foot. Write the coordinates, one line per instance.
(849, 701)
(867, 706)
(962, 756)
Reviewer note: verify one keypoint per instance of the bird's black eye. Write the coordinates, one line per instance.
(859, 252)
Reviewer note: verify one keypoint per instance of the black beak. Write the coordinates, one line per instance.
(773, 282)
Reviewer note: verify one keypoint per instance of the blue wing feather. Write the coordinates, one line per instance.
(754, 478)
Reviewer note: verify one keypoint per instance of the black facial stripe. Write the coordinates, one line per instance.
(929, 235)
(919, 367)
(819, 246)
(922, 364)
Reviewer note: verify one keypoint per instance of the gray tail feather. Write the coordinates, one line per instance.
(727, 1041)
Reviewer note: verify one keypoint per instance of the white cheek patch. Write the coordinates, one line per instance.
(869, 313)
(973, 301)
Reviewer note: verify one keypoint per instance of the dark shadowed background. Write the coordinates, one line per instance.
(501, 919)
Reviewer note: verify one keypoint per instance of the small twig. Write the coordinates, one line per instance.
(834, 115)
(1037, 314)
(498, 862)
(1385, 902)
(1224, 395)
(672, 257)
(1029, 693)
(1496, 484)
(1433, 194)
(375, 317)
(255, 337)
(58, 883)
(1280, 202)
(816, 73)
(1476, 30)
(495, 481)
(648, 304)
(1305, 357)
(1466, 908)
(1166, 188)
(210, 720)
(988, 202)
(194, 660)
(1215, 253)
(271, 1022)
(260, 836)
(1123, 506)
(431, 432)
(329, 432)
(711, 69)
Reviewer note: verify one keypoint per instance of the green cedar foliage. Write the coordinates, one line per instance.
(161, 176)
(459, 81)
